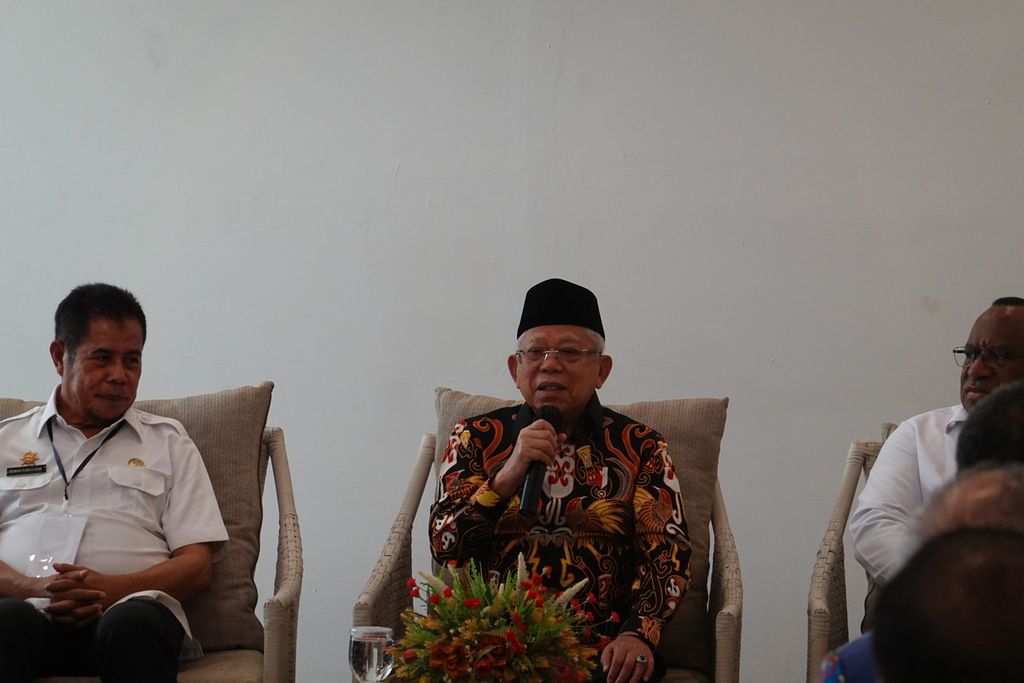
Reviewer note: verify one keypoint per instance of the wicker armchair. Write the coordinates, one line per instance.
(827, 620)
(707, 631)
(228, 427)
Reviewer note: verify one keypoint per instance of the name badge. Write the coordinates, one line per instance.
(25, 470)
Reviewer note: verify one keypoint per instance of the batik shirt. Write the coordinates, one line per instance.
(611, 512)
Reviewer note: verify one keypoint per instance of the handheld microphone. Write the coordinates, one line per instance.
(530, 497)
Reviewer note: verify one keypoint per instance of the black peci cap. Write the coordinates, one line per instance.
(559, 302)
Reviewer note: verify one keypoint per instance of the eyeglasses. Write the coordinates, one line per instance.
(997, 357)
(566, 354)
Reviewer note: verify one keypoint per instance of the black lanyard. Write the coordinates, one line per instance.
(60, 465)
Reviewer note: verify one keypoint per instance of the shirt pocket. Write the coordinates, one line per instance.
(137, 490)
(28, 493)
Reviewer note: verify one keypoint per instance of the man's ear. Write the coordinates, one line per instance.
(57, 356)
(513, 368)
(604, 370)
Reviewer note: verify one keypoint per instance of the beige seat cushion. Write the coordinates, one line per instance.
(693, 428)
(685, 676)
(237, 666)
(227, 427)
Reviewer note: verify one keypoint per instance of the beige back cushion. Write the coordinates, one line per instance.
(693, 428)
(227, 427)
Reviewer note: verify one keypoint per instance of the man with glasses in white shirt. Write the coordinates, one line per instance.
(920, 456)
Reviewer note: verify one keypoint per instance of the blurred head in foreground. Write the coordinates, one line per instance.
(955, 612)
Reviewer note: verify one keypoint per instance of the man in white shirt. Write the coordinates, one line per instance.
(920, 455)
(107, 516)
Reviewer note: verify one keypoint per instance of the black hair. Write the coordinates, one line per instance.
(87, 302)
(1008, 301)
(955, 612)
(994, 431)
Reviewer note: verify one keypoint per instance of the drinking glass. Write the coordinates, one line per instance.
(367, 652)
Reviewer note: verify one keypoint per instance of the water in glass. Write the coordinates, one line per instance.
(367, 652)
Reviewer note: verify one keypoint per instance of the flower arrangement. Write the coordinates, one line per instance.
(483, 630)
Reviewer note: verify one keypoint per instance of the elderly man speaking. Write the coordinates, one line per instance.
(608, 507)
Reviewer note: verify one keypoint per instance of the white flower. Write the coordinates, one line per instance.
(437, 584)
(570, 593)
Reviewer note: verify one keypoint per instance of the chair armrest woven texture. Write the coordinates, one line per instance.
(827, 620)
(386, 595)
(725, 601)
(281, 611)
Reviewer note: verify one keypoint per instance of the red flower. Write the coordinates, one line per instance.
(410, 656)
(434, 598)
(537, 578)
(540, 602)
(603, 643)
(483, 667)
(415, 592)
(516, 619)
(513, 642)
(447, 591)
(616, 618)
(496, 650)
(591, 598)
(471, 602)
(411, 583)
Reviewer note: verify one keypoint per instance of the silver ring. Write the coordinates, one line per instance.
(641, 659)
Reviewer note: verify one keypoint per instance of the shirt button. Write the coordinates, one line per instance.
(22, 484)
(137, 482)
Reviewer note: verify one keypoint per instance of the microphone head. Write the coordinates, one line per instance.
(551, 415)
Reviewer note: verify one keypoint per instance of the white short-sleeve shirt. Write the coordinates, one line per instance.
(144, 494)
(915, 461)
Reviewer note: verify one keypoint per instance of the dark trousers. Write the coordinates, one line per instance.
(137, 640)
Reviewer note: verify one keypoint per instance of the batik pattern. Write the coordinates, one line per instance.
(611, 512)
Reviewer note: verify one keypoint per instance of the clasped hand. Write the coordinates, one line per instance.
(76, 598)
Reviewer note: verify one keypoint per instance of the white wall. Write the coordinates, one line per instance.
(800, 205)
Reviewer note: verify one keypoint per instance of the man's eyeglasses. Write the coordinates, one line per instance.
(566, 354)
(997, 357)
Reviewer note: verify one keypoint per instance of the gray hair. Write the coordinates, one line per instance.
(596, 340)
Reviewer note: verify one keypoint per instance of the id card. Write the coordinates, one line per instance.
(58, 537)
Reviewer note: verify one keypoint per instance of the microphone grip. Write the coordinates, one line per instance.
(530, 497)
